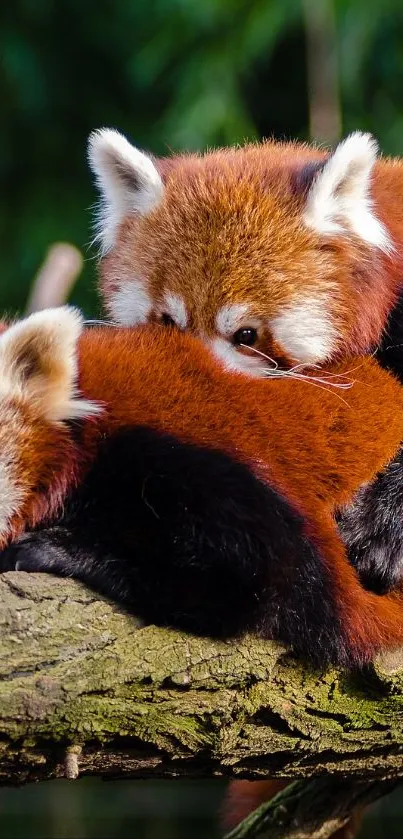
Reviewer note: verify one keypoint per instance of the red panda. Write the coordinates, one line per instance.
(274, 253)
(196, 497)
(278, 256)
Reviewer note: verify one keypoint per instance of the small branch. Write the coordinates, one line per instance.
(55, 279)
(71, 766)
(310, 809)
(323, 73)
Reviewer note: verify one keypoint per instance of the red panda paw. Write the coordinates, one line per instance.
(34, 554)
(372, 530)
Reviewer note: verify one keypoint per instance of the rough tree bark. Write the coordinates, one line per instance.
(85, 690)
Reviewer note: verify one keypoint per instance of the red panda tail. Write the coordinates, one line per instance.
(243, 797)
(369, 622)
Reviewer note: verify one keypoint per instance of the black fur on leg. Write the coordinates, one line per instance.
(390, 351)
(372, 526)
(372, 529)
(187, 537)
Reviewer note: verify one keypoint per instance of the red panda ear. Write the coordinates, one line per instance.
(127, 179)
(38, 364)
(338, 199)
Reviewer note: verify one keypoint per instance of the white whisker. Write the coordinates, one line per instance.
(312, 380)
(97, 322)
(337, 395)
(258, 352)
(303, 366)
(325, 379)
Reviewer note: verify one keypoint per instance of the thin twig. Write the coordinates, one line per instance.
(55, 279)
(323, 70)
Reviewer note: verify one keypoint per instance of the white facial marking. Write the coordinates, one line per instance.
(127, 180)
(339, 198)
(231, 317)
(234, 360)
(174, 306)
(131, 304)
(305, 330)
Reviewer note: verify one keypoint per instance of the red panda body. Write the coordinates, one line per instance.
(188, 463)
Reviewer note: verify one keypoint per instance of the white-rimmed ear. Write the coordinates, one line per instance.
(127, 180)
(38, 364)
(339, 196)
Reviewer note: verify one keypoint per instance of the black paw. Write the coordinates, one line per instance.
(372, 530)
(31, 553)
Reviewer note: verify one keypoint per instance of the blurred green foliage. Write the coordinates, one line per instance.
(171, 74)
(93, 809)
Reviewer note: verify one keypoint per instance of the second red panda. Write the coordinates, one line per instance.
(195, 497)
(279, 256)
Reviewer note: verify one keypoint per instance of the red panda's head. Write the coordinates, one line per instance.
(270, 253)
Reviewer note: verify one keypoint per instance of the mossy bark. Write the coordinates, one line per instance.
(85, 690)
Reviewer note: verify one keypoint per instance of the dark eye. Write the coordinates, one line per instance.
(246, 336)
(166, 320)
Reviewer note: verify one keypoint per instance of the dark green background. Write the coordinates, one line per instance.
(171, 74)
(93, 809)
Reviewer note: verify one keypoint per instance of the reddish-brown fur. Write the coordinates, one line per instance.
(42, 456)
(230, 230)
(243, 797)
(46, 456)
(314, 445)
(308, 442)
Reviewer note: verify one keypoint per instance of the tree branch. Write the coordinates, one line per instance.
(85, 690)
(323, 71)
(311, 809)
(56, 277)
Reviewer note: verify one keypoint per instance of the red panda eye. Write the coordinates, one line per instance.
(166, 320)
(246, 336)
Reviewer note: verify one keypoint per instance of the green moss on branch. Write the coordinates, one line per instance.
(75, 671)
